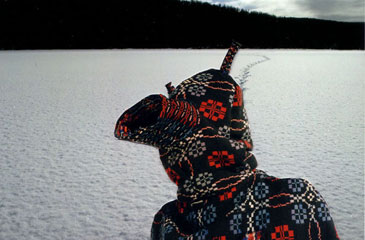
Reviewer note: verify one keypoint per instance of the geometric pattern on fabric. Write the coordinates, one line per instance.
(201, 235)
(254, 218)
(236, 144)
(227, 195)
(189, 186)
(197, 90)
(240, 198)
(282, 233)
(262, 219)
(323, 213)
(204, 179)
(224, 131)
(221, 159)
(203, 77)
(235, 223)
(174, 157)
(197, 149)
(299, 214)
(261, 190)
(295, 185)
(246, 132)
(191, 217)
(213, 110)
(209, 214)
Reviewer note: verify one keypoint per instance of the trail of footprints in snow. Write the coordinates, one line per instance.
(245, 72)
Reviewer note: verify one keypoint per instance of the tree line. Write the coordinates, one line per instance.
(77, 24)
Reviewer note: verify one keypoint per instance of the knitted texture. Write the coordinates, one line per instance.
(204, 140)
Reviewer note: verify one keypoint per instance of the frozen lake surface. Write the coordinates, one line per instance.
(64, 175)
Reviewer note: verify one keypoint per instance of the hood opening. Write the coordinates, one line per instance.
(143, 114)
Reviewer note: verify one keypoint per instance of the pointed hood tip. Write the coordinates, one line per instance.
(231, 53)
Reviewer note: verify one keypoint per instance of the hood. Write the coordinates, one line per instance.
(201, 131)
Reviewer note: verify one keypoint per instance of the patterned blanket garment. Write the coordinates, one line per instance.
(204, 140)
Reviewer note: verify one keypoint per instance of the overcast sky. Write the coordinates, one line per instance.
(338, 10)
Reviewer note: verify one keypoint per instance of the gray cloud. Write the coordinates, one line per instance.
(223, 1)
(338, 10)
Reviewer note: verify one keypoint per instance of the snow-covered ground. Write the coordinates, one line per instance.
(63, 175)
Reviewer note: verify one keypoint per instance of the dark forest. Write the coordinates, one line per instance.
(74, 24)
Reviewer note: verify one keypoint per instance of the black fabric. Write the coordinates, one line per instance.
(204, 140)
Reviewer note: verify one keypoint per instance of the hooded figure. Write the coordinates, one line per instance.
(203, 136)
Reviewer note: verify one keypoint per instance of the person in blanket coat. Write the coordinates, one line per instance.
(202, 133)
